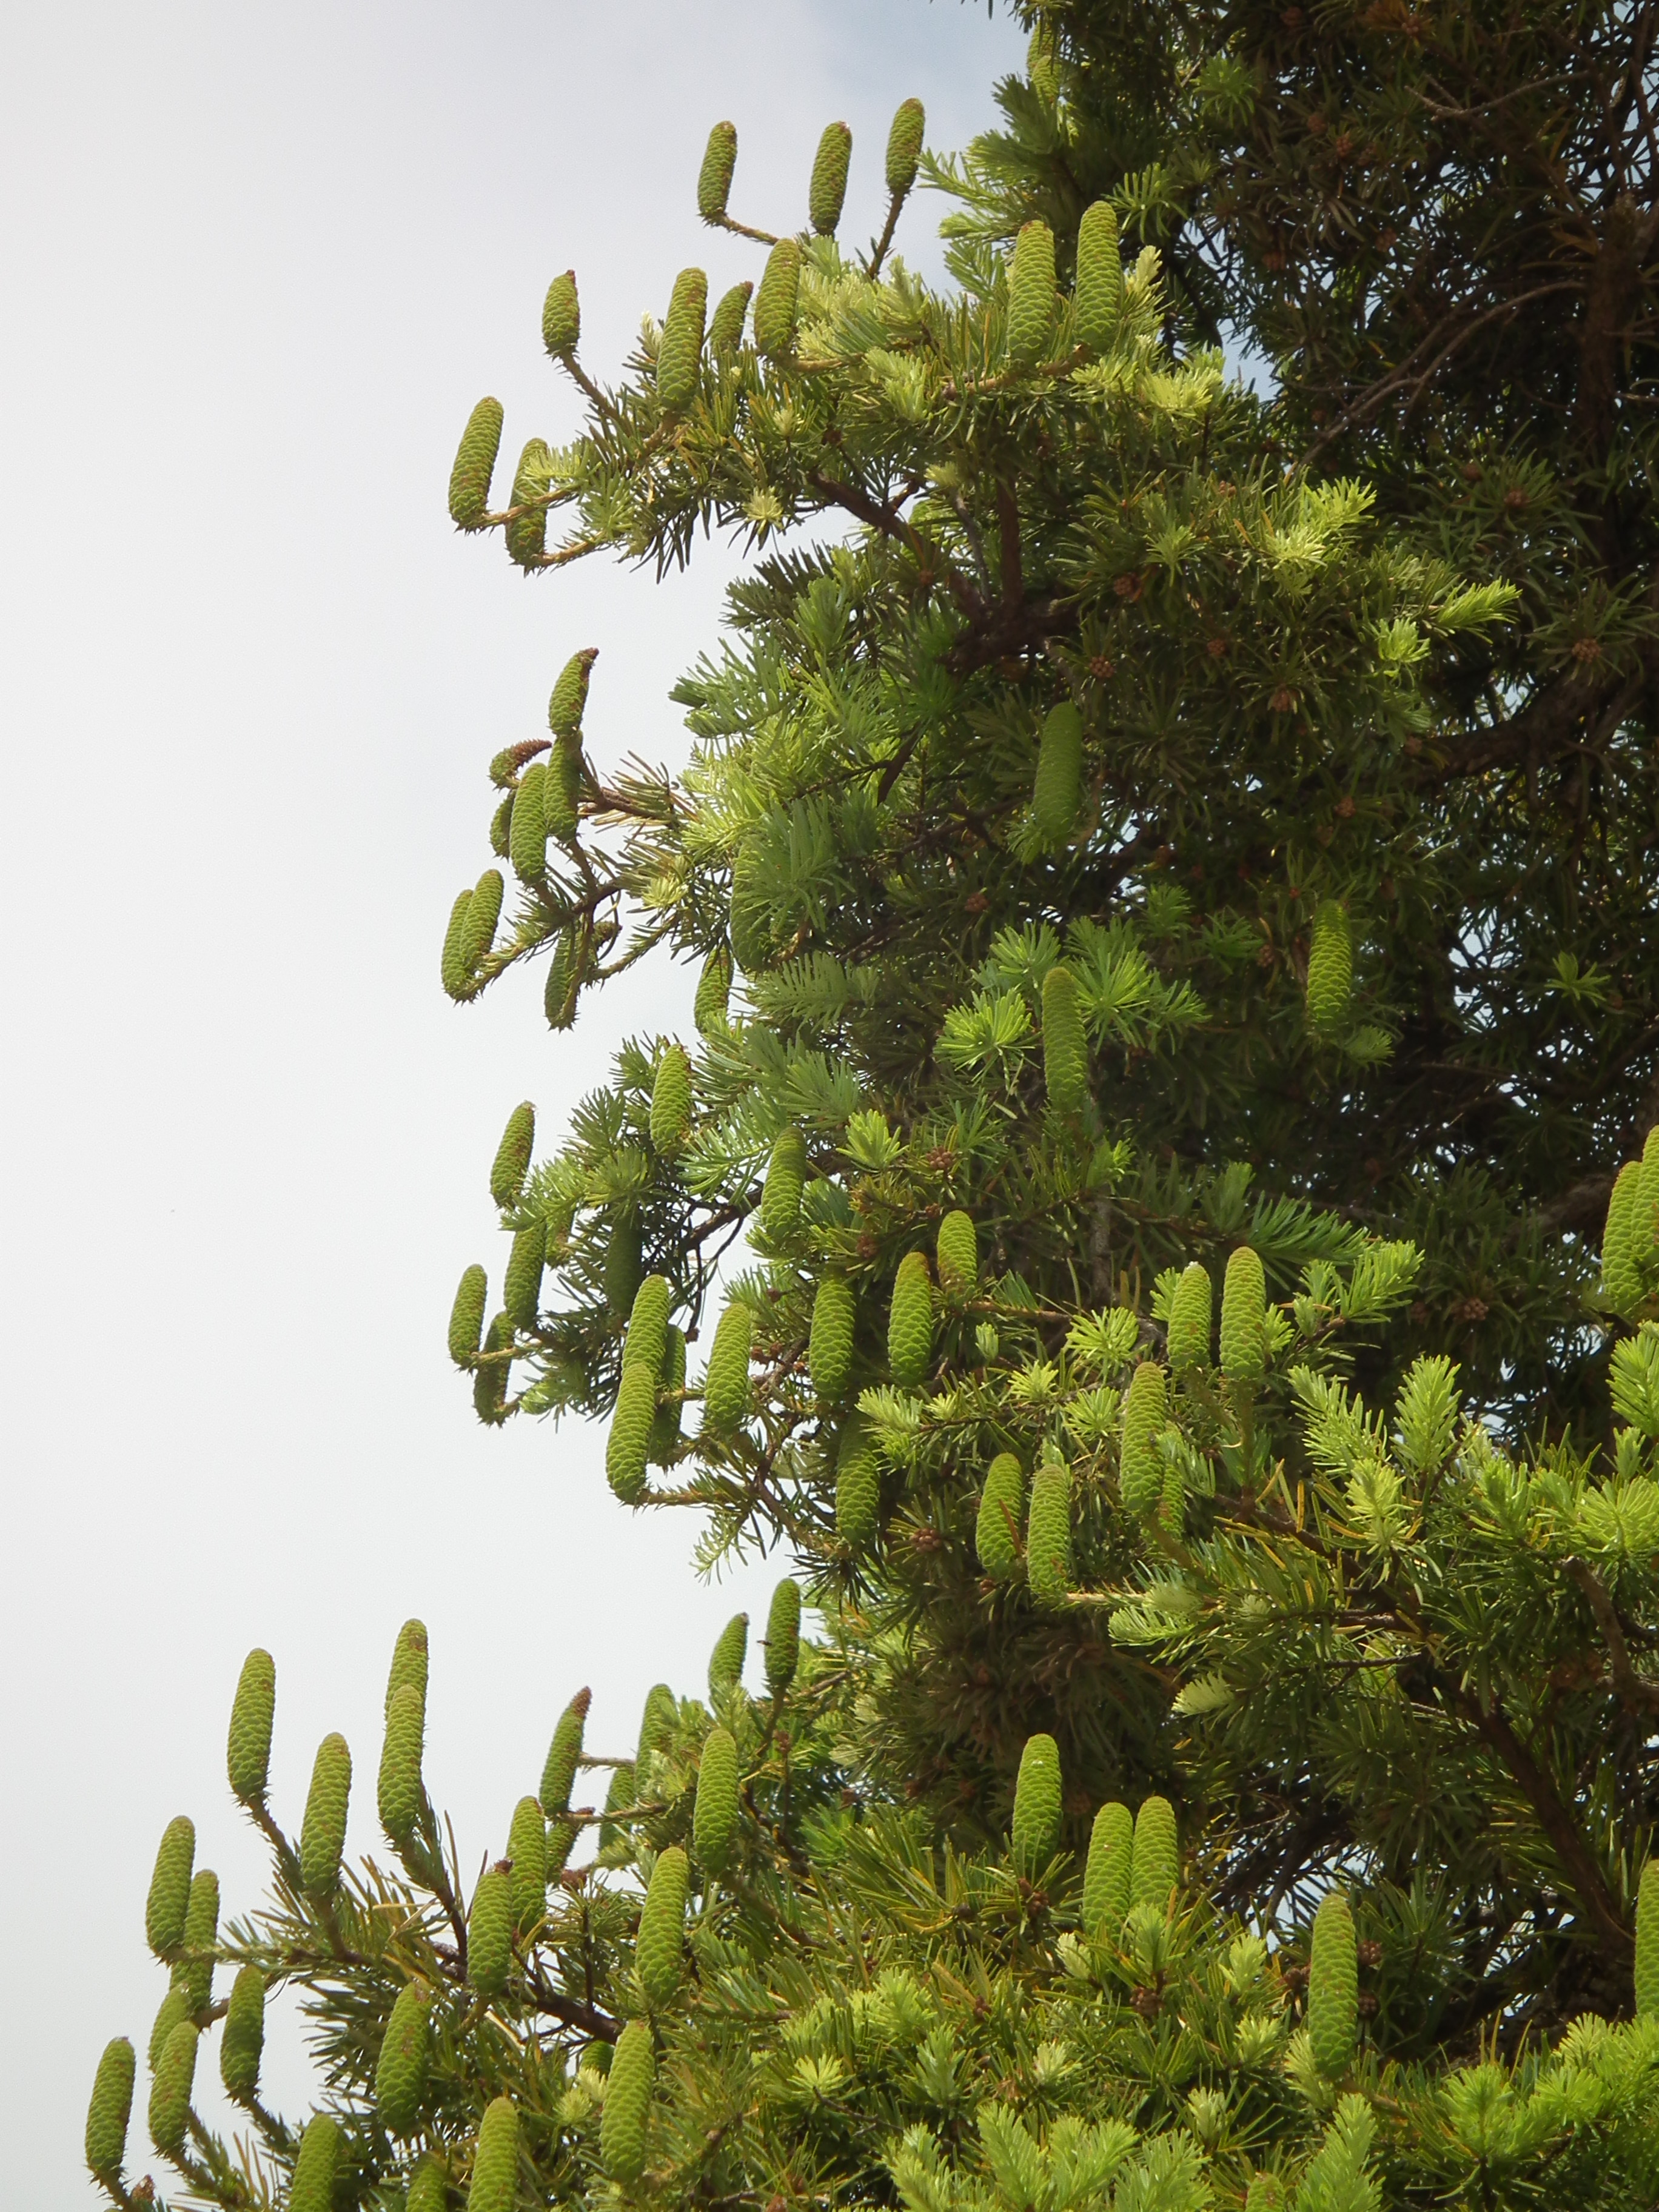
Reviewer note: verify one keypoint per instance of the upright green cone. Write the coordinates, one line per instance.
(626, 2117)
(904, 139)
(194, 1972)
(484, 911)
(627, 1447)
(1647, 1942)
(647, 1325)
(725, 1660)
(659, 1951)
(1035, 1837)
(169, 2091)
(400, 2071)
(827, 189)
(958, 1255)
(252, 1715)
(399, 1794)
(564, 1754)
(242, 2040)
(1623, 1246)
(1001, 1510)
(1031, 294)
(489, 1933)
(496, 2159)
(454, 971)
(511, 1163)
(489, 1383)
(714, 1816)
(1098, 298)
(168, 1902)
(1244, 1321)
(829, 1342)
(1333, 1988)
(726, 324)
(777, 301)
(1156, 1867)
(1330, 971)
(671, 1100)
(786, 1177)
(1048, 1536)
(713, 990)
(910, 1320)
(526, 1848)
(569, 700)
(783, 1638)
(322, 1832)
(311, 2189)
(411, 1660)
(1140, 1475)
(679, 352)
(525, 532)
(561, 317)
(475, 464)
(725, 1381)
(623, 1263)
(466, 1316)
(1189, 1319)
(526, 828)
(858, 1487)
(1057, 794)
(1108, 1872)
(1064, 1043)
(111, 2109)
(714, 178)
(521, 1283)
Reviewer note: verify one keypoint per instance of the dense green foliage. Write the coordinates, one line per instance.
(1169, 895)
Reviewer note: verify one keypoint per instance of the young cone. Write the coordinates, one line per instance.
(1156, 1861)
(1189, 1319)
(1098, 298)
(311, 2189)
(1244, 1320)
(490, 1934)
(910, 1320)
(1108, 1872)
(785, 1176)
(484, 911)
(679, 354)
(776, 301)
(1001, 1512)
(169, 2092)
(559, 1773)
(1333, 1988)
(829, 1342)
(242, 2041)
(725, 1381)
(526, 828)
(1647, 1942)
(454, 972)
(525, 532)
(627, 2112)
(725, 1660)
(511, 1163)
(714, 178)
(957, 1255)
(168, 1902)
(496, 2159)
(1057, 794)
(714, 1816)
(904, 138)
(111, 2109)
(659, 1950)
(1049, 1567)
(1330, 971)
(475, 464)
(252, 1715)
(671, 1100)
(714, 989)
(400, 2071)
(829, 186)
(561, 317)
(1035, 1834)
(783, 1638)
(521, 1284)
(322, 1833)
(527, 1847)
(1140, 1477)
(1065, 1045)
(1031, 294)
(399, 1794)
(627, 1447)
(466, 1316)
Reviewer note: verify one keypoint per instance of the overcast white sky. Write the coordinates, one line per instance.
(260, 262)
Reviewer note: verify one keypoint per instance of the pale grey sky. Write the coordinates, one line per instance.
(260, 262)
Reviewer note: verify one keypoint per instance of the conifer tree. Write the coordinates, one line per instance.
(1167, 893)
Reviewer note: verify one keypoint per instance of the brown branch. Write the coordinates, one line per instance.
(889, 523)
(572, 2012)
(1014, 569)
(1632, 1691)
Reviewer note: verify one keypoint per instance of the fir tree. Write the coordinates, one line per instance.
(1168, 893)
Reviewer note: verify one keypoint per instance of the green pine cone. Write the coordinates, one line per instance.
(564, 982)
(526, 1848)
(1622, 1249)
(659, 1721)
(489, 1383)
(495, 2160)
(411, 1657)
(679, 351)
(1330, 971)
(242, 2045)
(659, 1950)
(1064, 1043)
(561, 317)
(512, 1156)
(453, 972)
(776, 304)
(647, 1326)
(475, 464)
(858, 1488)
(525, 534)
(958, 1254)
(626, 2114)
(726, 324)
(1036, 1836)
(671, 1100)
(1098, 298)
(1031, 294)
(725, 1660)
(169, 2092)
(749, 918)
(194, 1972)
(253, 1714)
(466, 1316)
(322, 1832)
(501, 829)
(714, 178)
(1244, 1320)
(111, 2109)
(429, 2190)
(490, 1934)
(1048, 1536)
(1107, 1875)
(526, 842)
(714, 1816)
(1140, 1465)
(1333, 1988)
(562, 791)
(904, 147)
(1042, 66)
(630, 1441)
(173, 2007)
(400, 2071)
(786, 1177)
(1264, 2194)
(400, 1795)
(1057, 793)
(568, 702)
(1648, 1197)
(726, 1380)
(1647, 1942)
(1001, 1510)
(522, 1286)
(910, 1320)
(1172, 1499)
(663, 1445)
(168, 1902)
(1155, 1871)
(311, 2189)
(623, 1265)
(482, 913)
(559, 1774)
(1189, 1319)
(829, 1341)
(828, 189)
(783, 1638)
(714, 989)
